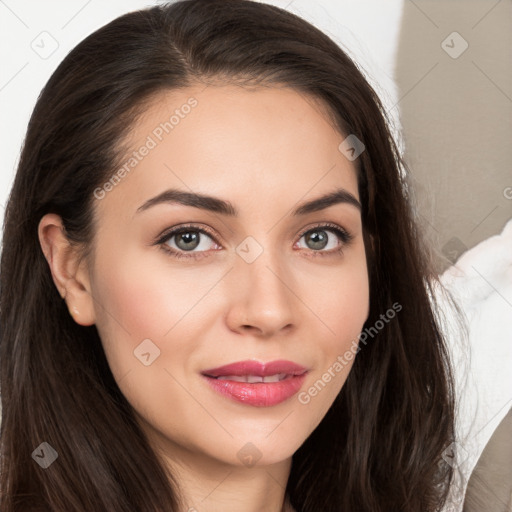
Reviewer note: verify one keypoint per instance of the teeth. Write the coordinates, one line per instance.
(252, 379)
(237, 378)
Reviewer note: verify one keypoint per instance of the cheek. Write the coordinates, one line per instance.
(341, 306)
(150, 330)
(339, 297)
(142, 297)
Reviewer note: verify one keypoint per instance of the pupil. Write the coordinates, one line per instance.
(318, 238)
(189, 238)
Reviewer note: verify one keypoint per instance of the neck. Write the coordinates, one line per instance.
(208, 485)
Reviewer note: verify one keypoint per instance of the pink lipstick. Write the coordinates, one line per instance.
(257, 384)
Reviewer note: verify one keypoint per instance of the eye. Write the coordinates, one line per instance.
(325, 239)
(191, 241)
(187, 241)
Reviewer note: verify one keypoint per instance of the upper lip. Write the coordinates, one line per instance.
(251, 367)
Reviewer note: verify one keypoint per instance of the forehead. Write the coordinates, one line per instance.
(237, 141)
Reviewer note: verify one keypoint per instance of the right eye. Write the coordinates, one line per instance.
(186, 239)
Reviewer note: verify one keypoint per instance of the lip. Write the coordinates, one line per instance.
(258, 394)
(250, 367)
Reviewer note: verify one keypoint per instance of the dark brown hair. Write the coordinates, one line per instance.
(379, 446)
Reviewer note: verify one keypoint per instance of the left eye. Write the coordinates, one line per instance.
(321, 239)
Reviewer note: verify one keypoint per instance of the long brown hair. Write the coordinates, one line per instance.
(379, 447)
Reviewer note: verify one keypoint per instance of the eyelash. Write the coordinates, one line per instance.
(162, 240)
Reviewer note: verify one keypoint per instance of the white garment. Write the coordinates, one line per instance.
(481, 284)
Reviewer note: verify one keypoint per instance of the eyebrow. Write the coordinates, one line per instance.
(217, 205)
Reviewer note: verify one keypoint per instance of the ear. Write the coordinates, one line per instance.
(70, 273)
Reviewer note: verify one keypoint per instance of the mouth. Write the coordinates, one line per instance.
(254, 379)
(257, 384)
(278, 370)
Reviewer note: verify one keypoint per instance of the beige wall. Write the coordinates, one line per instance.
(456, 112)
(490, 486)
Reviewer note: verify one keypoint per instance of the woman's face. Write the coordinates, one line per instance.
(262, 283)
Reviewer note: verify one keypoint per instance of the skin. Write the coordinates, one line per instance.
(266, 151)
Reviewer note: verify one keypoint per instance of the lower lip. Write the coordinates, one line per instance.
(259, 394)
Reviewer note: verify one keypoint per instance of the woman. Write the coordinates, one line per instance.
(213, 292)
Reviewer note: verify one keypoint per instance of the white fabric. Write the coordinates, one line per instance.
(481, 284)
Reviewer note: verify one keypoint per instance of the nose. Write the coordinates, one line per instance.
(261, 298)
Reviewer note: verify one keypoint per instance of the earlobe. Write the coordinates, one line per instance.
(69, 272)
